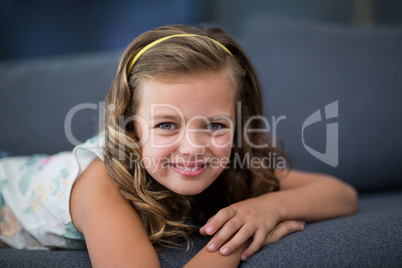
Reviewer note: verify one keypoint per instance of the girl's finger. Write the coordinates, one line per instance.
(217, 221)
(282, 230)
(202, 229)
(227, 231)
(257, 243)
(238, 239)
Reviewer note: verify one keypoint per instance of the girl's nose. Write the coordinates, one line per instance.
(193, 143)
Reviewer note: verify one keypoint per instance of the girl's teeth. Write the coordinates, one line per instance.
(188, 168)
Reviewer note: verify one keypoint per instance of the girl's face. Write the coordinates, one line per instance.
(185, 125)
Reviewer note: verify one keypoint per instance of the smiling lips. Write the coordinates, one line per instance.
(189, 169)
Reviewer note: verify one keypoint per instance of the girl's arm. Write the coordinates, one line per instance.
(311, 196)
(204, 258)
(303, 197)
(113, 229)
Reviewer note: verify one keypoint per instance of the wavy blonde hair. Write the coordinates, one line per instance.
(166, 215)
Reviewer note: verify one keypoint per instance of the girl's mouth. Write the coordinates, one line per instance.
(189, 170)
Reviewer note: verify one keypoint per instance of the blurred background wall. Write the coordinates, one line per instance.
(43, 28)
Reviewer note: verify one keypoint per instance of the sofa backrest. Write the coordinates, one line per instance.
(304, 67)
(38, 97)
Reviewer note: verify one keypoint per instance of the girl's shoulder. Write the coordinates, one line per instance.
(97, 207)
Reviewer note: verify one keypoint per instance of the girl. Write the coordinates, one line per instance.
(182, 151)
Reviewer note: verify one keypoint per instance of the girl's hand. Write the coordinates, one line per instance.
(249, 219)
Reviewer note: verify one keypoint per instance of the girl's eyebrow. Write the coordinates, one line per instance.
(177, 118)
(219, 117)
(166, 117)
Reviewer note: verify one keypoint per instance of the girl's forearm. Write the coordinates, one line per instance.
(320, 199)
(204, 258)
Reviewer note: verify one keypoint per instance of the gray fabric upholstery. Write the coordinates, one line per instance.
(36, 96)
(14, 258)
(303, 67)
(371, 238)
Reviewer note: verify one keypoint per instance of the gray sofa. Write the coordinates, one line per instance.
(303, 68)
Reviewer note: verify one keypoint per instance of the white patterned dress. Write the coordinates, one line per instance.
(35, 197)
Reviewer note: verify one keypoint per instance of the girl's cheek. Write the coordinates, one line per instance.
(164, 141)
(222, 141)
(163, 152)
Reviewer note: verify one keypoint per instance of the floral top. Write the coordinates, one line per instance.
(35, 197)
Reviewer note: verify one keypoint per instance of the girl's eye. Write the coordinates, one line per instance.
(215, 126)
(166, 126)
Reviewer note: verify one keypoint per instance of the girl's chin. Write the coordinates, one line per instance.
(187, 192)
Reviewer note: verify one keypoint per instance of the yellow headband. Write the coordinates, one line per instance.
(144, 49)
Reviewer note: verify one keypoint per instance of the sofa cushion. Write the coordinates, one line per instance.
(370, 238)
(304, 67)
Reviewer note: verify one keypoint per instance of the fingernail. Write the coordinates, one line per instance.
(210, 229)
(212, 246)
(244, 257)
(225, 251)
(302, 226)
